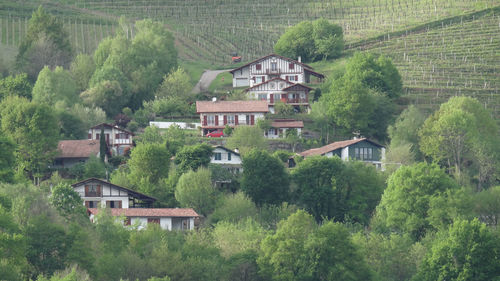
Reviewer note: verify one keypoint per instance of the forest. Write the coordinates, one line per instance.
(431, 213)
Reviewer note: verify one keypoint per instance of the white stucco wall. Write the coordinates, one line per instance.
(345, 154)
(235, 159)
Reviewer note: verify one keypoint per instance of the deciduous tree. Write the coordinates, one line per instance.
(195, 190)
(265, 179)
(56, 86)
(245, 138)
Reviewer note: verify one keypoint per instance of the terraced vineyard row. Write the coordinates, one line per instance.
(461, 58)
(252, 27)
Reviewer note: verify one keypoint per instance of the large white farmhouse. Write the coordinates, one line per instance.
(133, 206)
(273, 66)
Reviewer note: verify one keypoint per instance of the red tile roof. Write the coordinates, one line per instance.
(287, 123)
(333, 146)
(150, 212)
(77, 148)
(231, 106)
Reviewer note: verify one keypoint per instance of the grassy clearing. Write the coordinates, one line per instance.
(222, 83)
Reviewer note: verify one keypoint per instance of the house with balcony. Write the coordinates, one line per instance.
(273, 66)
(117, 139)
(215, 115)
(134, 207)
(361, 149)
(279, 90)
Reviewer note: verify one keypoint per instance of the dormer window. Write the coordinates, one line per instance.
(258, 66)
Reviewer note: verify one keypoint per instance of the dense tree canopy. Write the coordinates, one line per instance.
(46, 43)
(462, 134)
(311, 41)
(195, 190)
(405, 203)
(468, 251)
(246, 138)
(362, 100)
(56, 86)
(17, 85)
(264, 179)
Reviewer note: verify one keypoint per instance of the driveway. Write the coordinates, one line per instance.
(206, 79)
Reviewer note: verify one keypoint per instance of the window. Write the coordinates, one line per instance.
(218, 156)
(258, 66)
(229, 156)
(211, 120)
(230, 119)
(291, 78)
(262, 97)
(97, 136)
(363, 153)
(91, 204)
(93, 190)
(121, 136)
(114, 204)
(291, 65)
(89, 136)
(154, 220)
(274, 66)
(259, 79)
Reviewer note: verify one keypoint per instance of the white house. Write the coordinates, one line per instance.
(279, 90)
(117, 139)
(273, 66)
(227, 158)
(72, 152)
(361, 149)
(279, 128)
(97, 193)
(134, 206)
(167, 218)
(215, 115)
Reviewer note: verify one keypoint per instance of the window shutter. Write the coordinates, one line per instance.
(120, 204)
(272, 98)
(97, 136)
(287, 78)
(263, 79)
(236, 119)
(117, 136)
(86, 191)
(225, 119)
(99, 190)
(216, 120)
(89, 136)
(108, 204)
(204, 120)
(252, 119)
(87, 204)
(296, 78)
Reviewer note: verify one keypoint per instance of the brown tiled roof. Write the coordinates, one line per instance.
(334, 146)
(77, 148)
(231, 106)
(272, 55)
(150, 212)
(287, 123)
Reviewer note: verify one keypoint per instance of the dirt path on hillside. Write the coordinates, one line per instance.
(206, 79)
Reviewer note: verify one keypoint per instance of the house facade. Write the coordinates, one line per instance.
(280, 90)
(215, 115)
(270, 67)
(117, 139)
(227, 158)
(280, 127)
(166, 218)
(361, 149)
(72, 152)
(133, 206)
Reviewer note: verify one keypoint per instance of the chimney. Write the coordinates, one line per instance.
(299, 59)
(214, 99)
